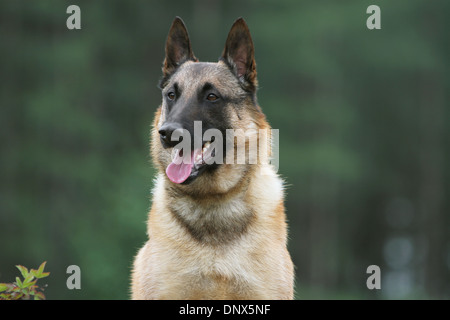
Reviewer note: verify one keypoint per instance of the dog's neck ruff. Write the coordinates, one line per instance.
(211, 218)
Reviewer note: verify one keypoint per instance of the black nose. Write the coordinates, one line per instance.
(165, 133)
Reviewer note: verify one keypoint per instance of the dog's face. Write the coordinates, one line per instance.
(200, 101)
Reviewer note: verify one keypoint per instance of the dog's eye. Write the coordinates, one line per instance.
(212, 97)
(171, 95)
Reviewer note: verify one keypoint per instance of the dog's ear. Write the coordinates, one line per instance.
(239, 53)
(178, 47)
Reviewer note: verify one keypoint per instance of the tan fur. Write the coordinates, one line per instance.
(255, 265)
(224, 235)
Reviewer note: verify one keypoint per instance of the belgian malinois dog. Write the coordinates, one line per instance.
(216, 230)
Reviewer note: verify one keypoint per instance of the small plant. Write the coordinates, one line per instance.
(25, 289)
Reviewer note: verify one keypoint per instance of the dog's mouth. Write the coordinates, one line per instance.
(184, 168)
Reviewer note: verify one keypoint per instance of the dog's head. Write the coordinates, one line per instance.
(201, 103)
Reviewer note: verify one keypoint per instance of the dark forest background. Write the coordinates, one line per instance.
(364, 130)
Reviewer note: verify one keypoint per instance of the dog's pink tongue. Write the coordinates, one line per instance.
(178, 173)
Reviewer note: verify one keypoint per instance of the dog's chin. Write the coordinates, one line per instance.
(199, 171)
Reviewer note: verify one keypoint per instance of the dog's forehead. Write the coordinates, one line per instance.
(193, 75)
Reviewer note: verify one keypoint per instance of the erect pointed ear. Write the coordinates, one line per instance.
(239, 53)
(178, 47)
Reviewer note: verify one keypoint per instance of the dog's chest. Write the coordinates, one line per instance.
(219, 274)
(217, 254)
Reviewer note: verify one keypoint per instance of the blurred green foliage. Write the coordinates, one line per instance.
(364, 136)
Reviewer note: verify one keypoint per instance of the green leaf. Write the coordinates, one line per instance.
(19, 283)
(27, 284)
(39, 296)
(5, 296)
(41, 267)
(18, 296)
(23, 271)
(29, 278)
(40, 272)
(43, 275)
(32, 290)
(3, 287)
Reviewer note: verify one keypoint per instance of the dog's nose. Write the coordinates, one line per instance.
(165, 133)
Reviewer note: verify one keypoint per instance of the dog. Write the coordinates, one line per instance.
(216, 230)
